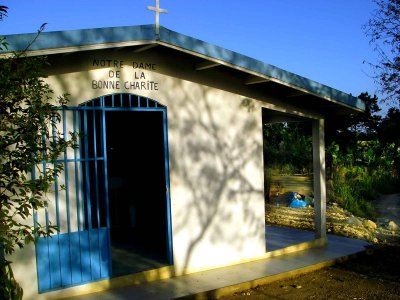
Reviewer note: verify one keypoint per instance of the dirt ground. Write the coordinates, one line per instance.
(374, 274)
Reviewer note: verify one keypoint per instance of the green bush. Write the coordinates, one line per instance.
(356, 179)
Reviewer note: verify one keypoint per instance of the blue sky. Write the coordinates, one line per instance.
(318, 39)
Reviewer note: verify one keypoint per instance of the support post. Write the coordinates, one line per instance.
(319, 178)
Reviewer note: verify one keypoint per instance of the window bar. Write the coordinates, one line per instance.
(112, 100)
(57, 198)
(87, 186)
(147, 102)
(105, 174)
(95, 112)
(44, 166)
(78, 189)
(104, 145)
(67, 203)
(87, 176)
(56, 194)
(130, 100)
(66, 175)
(138, 101)
(79, 174)
(96, 187)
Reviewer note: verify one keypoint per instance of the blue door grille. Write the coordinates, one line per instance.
(80, 251)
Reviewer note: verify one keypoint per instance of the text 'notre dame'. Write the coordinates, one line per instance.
(136, 80)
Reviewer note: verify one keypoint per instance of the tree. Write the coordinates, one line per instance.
(347, 130)
(288, 147)
(29, 147)
(383, 29)
(389, 136)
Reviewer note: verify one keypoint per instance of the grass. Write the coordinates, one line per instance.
(355, 188)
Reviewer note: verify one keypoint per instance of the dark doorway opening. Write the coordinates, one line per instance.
(137, 190)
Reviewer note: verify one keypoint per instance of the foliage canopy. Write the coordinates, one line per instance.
(383, 29)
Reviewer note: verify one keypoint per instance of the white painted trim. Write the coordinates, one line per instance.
(292, 111)
(83, 48)
(318, 137)
(261, 76)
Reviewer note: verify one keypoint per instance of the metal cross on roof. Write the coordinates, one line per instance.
(157, 10)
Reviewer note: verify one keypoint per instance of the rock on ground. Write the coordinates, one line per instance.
(339, 222)
(393, 226)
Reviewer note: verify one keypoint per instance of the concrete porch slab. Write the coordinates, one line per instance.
(222, 281)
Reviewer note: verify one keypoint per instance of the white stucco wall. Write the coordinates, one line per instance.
(215, 155)
(216, 178)
(215, 152)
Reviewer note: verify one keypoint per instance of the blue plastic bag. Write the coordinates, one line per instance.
(296, 200)
(296, 203)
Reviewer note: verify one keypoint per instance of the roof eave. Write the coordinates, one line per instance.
(258, 68)
(58, 42)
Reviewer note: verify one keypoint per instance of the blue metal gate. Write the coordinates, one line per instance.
(80, 251)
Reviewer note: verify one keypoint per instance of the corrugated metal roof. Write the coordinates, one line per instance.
(99, 38)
